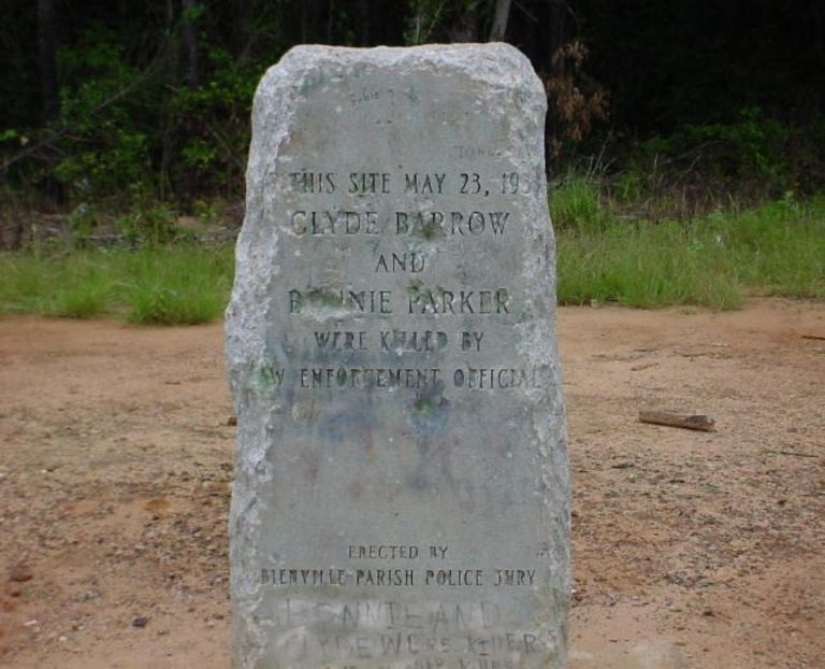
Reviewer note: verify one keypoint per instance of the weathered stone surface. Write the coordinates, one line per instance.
(402, 494)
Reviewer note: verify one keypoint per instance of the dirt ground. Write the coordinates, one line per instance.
(691, 549)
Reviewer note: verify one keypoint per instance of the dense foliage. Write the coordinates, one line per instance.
(129, 103)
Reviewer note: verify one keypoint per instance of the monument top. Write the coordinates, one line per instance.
(487, 62)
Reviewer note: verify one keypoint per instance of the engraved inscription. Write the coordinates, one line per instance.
(387, 354)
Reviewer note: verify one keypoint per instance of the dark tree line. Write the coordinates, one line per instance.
(701, 61)
(131, 99)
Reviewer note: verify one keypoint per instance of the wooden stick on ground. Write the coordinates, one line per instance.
(689, 421)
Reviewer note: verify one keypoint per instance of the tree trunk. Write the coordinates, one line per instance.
(364, 22)
(500, 18)
(240, 28)
(47, 46)
(557, 27)
(190, 40)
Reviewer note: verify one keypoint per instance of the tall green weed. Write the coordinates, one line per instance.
(161, 285)
(711, 261)
(168, 286)
(778, 248)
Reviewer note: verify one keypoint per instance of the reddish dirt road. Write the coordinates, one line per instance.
(691, 550)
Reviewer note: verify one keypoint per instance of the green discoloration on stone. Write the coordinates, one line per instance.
(265, 380)
(323, 297)
(430, 232)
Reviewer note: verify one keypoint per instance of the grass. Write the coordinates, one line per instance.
(179, 286)
(172, 285)
(711, 261)
(604, 254)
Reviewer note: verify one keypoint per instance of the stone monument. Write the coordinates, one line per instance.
(401, 496)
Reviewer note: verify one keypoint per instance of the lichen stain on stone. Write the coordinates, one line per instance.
(430, 410)
(322, 303)
(416, 292)
(434, 465)
(431, 232)
(343, 425)
(311, 466)
(312, 81)
(428, 416)
(265, 380)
